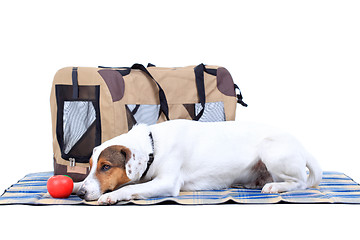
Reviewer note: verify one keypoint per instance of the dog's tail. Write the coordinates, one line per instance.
(315, 172)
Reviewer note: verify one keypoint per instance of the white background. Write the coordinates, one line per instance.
(296, 62)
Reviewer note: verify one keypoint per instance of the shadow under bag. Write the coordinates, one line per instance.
(92, 105)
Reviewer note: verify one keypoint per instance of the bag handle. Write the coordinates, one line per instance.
(200, 85)
(164, 107)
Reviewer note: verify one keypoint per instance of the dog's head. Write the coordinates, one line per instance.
(112, 167)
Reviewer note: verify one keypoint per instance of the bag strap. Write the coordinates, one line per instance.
(239, 96)
(122, 70)
(200, 85)
(164, 108)
(74, 76)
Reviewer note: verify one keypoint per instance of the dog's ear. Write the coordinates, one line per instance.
(117, 155)
(135, 165)
(126, 153)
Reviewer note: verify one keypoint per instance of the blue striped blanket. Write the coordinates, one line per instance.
(335, 188)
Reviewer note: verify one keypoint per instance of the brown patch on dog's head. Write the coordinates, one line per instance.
(110, 169)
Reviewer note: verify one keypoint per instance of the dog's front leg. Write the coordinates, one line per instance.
(159, 187)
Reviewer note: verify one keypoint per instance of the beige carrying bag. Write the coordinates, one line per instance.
(91, 105)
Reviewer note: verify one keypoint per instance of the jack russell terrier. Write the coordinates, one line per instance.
(163, 159)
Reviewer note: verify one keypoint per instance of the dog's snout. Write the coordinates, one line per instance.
(81, 193)
(90, 189)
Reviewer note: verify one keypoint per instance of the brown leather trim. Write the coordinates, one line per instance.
(225, 83)
(62, 170)
(115, 83)
(191, 109)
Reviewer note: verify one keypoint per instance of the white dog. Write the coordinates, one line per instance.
(162, 159)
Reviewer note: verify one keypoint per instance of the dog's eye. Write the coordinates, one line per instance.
(105, 167)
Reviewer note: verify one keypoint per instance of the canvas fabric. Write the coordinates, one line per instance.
(109, 101)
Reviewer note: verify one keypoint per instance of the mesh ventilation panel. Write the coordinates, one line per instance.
(214, 112)
(77, 118)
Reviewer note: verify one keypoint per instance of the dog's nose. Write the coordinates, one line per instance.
(81, 193)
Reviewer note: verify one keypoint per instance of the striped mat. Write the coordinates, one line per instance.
(335, 187)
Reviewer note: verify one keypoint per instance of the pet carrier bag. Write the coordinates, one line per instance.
(91, 105)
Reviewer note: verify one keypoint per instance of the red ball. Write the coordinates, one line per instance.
(60, 186)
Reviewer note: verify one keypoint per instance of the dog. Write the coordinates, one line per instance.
(163, 159)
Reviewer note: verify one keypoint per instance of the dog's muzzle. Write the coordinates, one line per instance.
(81, 193)
(90, 190)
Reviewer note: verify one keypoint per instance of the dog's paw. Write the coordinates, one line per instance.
(270, 188)
(108, 199)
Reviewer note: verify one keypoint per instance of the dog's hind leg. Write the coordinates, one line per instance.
(277, 187)
(286, 178)
(285, 160)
